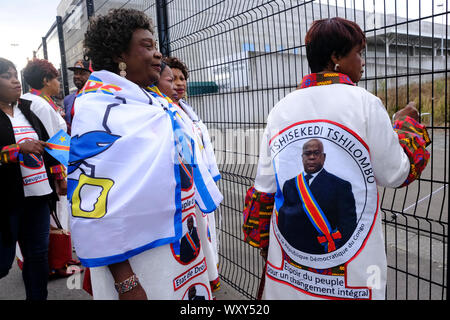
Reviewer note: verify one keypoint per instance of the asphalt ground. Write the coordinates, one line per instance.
(70, 288)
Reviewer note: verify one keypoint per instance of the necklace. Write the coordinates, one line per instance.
(7, 108)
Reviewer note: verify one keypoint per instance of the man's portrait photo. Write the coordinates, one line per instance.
(190, 243)
(192, 294)
(318, 214)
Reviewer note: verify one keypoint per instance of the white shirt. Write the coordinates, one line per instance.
(314, 175)
(52, 120)
(34, 175)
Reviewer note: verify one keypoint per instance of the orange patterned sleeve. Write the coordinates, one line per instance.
(257, 212)
(414, 139)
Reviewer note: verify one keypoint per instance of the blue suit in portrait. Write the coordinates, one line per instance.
(334, 196)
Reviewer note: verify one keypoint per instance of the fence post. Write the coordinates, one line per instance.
(62, 51)
(163, 27)
(90, 8)
(44, 47)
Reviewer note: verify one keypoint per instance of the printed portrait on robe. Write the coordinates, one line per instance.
(190, 243)
(188, 248)
(197, 291)
(326, 196)
(186, 176)
(318, 214)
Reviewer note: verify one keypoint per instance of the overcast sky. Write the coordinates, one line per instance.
(410, 8)
(23, 23)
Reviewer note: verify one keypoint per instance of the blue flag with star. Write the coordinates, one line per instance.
(58, 147)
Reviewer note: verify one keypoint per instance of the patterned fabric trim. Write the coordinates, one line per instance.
(59, 172)
(215, 285)
(156, 90)
(413, 138)
(46, 98)
(9, 154)
(321, 79)
(257, 212)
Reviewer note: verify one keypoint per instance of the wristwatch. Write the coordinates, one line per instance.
(127, 285)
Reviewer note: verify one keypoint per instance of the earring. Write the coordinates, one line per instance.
(122, 68)
(336, 66)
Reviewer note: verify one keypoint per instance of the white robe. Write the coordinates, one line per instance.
(352, 124)
(207, 222)
(144, 206)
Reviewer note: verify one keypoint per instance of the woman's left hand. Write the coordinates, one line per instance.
(61, 187)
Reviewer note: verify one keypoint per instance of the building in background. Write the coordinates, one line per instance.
(263, 47)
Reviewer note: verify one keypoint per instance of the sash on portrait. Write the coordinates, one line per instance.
(191, 243)
(316, 216)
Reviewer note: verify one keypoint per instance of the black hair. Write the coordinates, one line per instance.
(108, 36)
(163, 66)
(174, 62)
(5, 64)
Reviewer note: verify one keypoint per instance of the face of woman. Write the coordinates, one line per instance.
(353, 63)
(52, 86)
(10, 88)
(142, 58)
(179, 82)
(165, 84)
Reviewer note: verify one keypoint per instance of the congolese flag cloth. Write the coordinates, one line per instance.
(124, 180)
(58, 147)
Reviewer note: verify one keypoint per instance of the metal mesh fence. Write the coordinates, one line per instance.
(245, 55)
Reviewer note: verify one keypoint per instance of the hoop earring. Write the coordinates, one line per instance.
(122, 68)
(336, 66)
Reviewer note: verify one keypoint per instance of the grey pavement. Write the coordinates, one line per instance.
(12, 288)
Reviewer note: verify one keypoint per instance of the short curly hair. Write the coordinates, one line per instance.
(174, 62)
(108, 36)
(38, 69)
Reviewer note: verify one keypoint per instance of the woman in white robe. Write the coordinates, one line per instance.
(180, 75)
(340, 135)
(132, 186)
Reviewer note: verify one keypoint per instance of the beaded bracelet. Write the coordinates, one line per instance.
(127, 285)
(58, 171)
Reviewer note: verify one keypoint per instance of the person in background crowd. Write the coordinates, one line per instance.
(362, 148)
(81, 72)
(180, 75)
(206, 223)
(138, 215)
(173, 83)
(165, 83)
(30, 178)
(42, 77)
